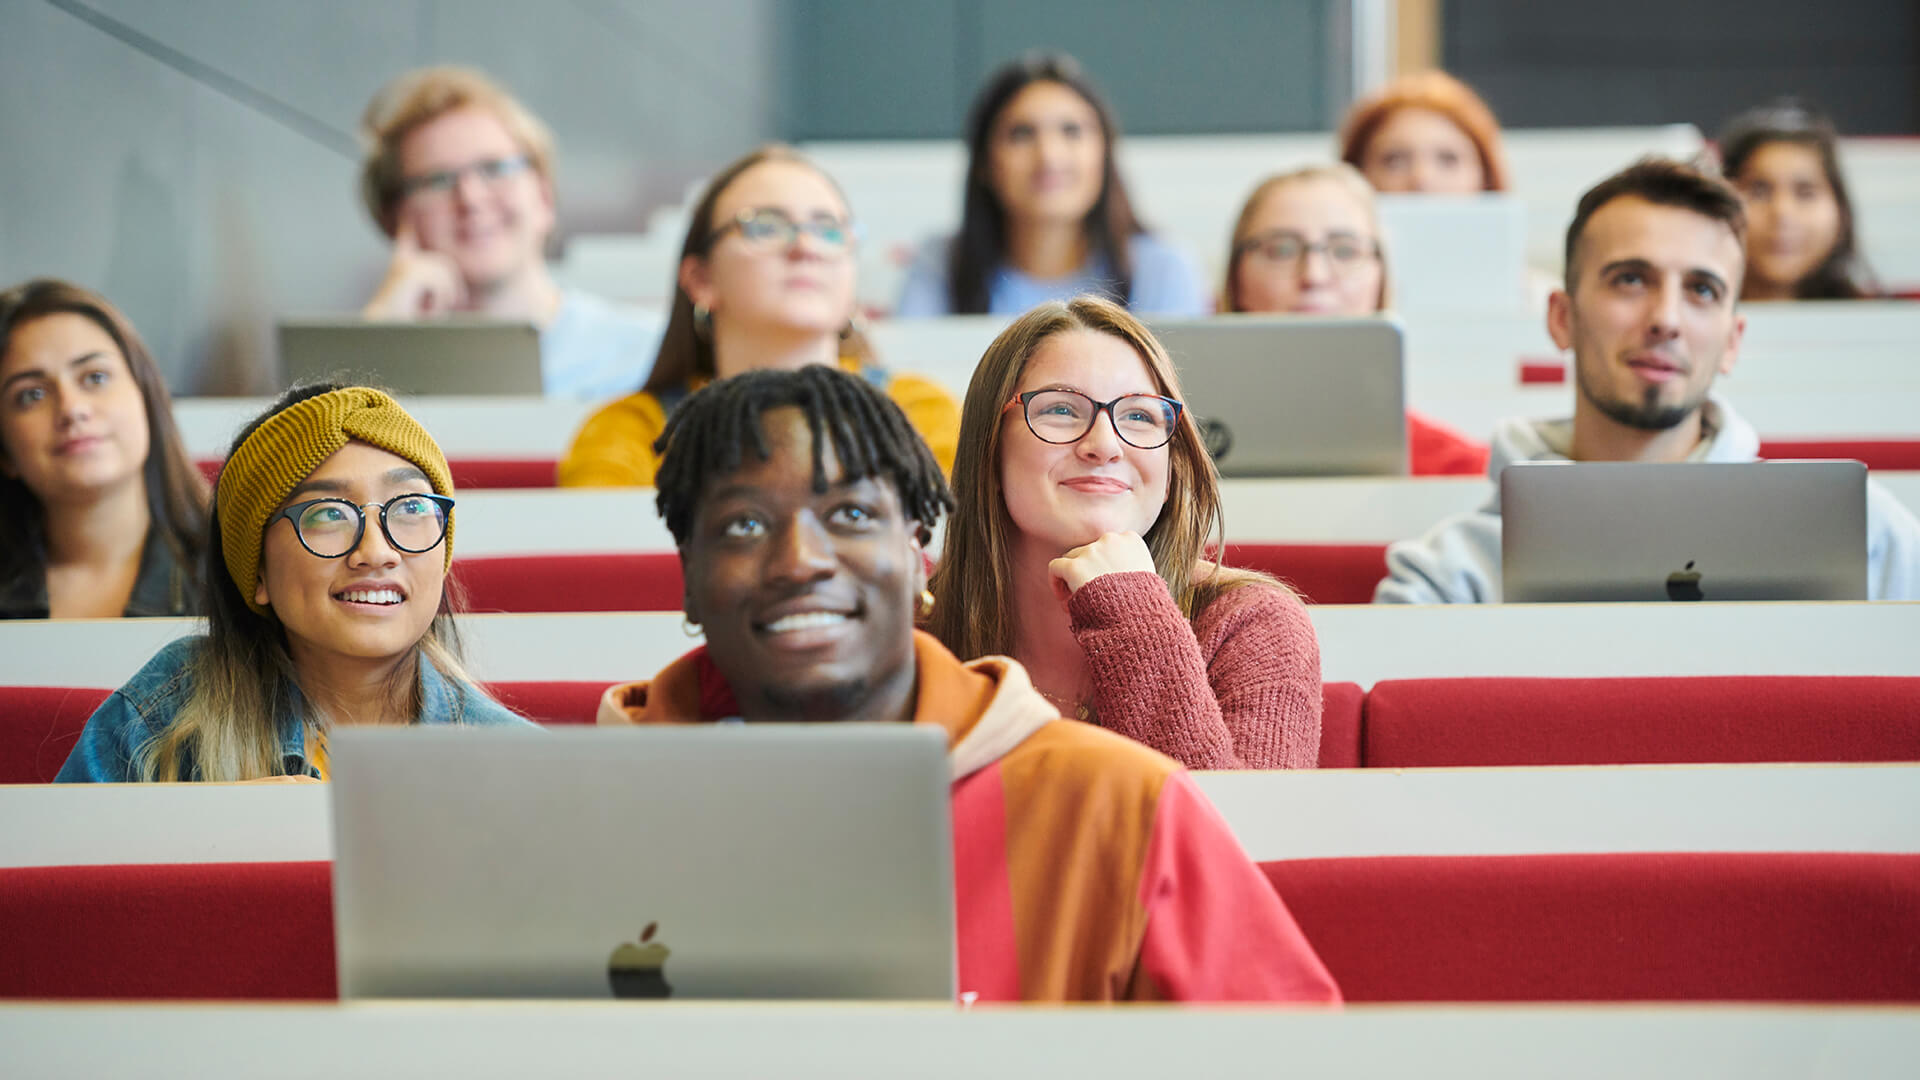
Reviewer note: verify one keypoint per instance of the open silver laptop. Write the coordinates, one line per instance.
(1294, 395)
(452, 355)
(709, 861)
(1771, 530)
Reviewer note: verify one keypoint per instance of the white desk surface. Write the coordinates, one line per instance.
(1276, 815)
(836, 1041)
(1358, 643)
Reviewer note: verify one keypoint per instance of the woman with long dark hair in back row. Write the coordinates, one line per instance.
(1046, 216)
(101, 512)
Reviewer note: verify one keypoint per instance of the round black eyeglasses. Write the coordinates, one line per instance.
(330, 528)
(1146, 421)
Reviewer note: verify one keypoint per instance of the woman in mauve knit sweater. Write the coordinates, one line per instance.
(1085, 503)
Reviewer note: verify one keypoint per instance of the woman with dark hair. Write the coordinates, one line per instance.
(327, 603)
(1085, 505)
(101, 512)
(1046, 216)
(765, 281)
(1784, 161)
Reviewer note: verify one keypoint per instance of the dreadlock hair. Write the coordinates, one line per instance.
(709, 434)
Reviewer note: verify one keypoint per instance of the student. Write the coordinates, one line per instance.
(1086, 503)
(1654, 260)
(326, 600)
(1429, 133)
(800, 501)
(459, 176)
(766, 280)
(102, 514)
(1784, 161)
(1045, 214)
(1308, 242)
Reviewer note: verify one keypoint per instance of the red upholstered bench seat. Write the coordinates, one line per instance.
(1412, 723)
(1886, 454)
(625, 581)
(1632, 927)
(1321, 573)
(1621, 927)
(185, 930)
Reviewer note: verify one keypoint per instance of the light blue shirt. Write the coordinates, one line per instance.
(594, 349)
(1164, 283)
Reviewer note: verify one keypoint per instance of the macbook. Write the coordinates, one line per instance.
(1294, 395)
(452, 355)
(696, 861)
(1765, 530)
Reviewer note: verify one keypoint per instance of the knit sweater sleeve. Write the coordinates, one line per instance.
(1237, 688)
(615, 446)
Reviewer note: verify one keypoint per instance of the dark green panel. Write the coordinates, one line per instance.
(1191, 67)
(866, 69)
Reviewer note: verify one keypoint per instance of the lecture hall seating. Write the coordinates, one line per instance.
(1722, 926)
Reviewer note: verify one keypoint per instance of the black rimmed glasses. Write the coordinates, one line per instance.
(1343, 250)
(443, 181)
(1145, 421)
(330, 528)
(769, 227)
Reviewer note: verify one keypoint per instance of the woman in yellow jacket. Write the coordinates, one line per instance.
(766, 280)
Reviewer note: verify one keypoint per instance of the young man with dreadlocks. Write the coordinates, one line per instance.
(1087, 867)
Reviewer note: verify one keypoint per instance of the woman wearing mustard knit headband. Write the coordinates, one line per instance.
(326, 602)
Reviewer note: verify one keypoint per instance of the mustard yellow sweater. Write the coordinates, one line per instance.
(615, 446)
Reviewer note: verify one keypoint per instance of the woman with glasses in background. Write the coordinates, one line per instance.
(1086, 505)
(1045, 215)
(459, 176)
(766, 280)
(102, 514)
(1308, 242)
(327, 603)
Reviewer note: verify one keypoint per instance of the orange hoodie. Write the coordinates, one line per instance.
(1086, 866)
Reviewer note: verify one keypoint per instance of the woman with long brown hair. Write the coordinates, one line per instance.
(1045, 215)
(101, 512)
(1086, 504)
(765, 280)
(1784, 159)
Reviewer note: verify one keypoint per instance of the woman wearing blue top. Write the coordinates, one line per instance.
(1046, 216)
(326, 600)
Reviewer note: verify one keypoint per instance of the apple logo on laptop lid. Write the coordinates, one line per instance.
(1684, 584)
(634, 969)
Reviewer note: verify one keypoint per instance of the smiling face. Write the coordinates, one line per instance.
(807, 598)
(1420, 150)
(1336, 268)
(376, 602)
(769, 284)
(1651, 318)
(1793, 216)
(494, 227)
(73, 423)
(1062, 496)
(1046, 155)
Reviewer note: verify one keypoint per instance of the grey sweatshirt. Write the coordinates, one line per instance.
(1458, 560)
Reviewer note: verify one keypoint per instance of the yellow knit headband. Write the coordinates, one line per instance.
(289, 445)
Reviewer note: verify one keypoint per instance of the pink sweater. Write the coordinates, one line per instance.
(1237, 688)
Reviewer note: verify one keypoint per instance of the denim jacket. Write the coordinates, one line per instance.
(150, 700)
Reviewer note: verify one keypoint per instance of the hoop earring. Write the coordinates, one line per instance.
(690, 628)
(925, 607)
(702, 322)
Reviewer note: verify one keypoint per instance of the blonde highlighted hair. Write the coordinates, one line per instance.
(1339, 173)
(972, 584)
(420, 97)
